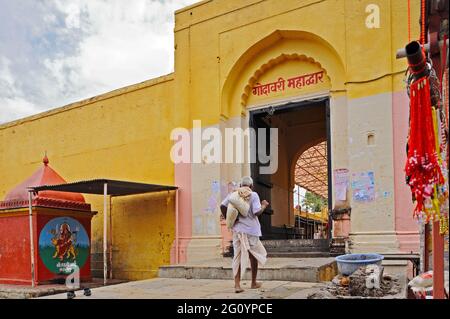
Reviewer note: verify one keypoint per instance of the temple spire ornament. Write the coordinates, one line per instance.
(45, 159)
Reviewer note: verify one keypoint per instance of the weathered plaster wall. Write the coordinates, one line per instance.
(222, 49)
(273, 38)
(119, 135)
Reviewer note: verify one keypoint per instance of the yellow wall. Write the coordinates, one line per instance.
(230, 40)
(143, 234)
(121, 135)
(225, 47)
(222, 48)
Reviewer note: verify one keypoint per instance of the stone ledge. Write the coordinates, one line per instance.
(26, 292)
(282, 269)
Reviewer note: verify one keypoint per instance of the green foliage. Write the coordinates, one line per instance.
(314, 202)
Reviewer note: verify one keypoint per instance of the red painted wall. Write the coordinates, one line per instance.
(15, 257)
(15, 260)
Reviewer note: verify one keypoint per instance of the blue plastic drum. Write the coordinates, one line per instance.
(348, 264)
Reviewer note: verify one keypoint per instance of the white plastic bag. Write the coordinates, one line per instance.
(424, 280)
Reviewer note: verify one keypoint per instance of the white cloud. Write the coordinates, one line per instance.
(16, 108)
(6, 78)
(83, 49)
(73, 15)
(12, 101)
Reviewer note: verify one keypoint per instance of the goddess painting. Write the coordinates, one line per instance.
(64, 243)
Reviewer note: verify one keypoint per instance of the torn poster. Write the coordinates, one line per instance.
(340, 184)
(363, 186)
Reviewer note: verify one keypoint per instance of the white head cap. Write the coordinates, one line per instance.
(247, 181)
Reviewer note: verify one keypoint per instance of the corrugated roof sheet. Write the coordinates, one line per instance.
(115, 187)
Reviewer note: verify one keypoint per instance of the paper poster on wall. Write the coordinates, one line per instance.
(214, 197)
(340, 184)
(363, 187)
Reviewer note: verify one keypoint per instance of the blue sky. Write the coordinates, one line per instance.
(55, 52)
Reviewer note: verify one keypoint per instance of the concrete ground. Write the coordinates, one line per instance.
(176, 288)
(26, 292)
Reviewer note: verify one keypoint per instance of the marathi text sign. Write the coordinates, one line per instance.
(294, 83)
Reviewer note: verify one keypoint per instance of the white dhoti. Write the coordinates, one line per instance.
(243, 245)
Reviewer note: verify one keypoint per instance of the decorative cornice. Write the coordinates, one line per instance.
(46, 202)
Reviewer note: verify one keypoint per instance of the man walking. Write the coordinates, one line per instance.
(246, 244)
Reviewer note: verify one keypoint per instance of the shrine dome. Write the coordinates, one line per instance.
(45, 175)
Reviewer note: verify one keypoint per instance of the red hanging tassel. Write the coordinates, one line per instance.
(422, 168)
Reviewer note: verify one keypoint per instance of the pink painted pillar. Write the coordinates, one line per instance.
(227, 236)
(406, 227)
(341, 226)
(183, 181)
(438, 263)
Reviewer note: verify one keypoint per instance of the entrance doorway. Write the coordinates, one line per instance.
(299, 192)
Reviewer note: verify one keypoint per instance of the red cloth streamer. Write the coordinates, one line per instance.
(422, 24)
(422, 168)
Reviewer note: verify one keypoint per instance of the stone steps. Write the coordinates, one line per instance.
(296, 249)
(301, 254)
(317, 243)
(304, 247)
(283, 269)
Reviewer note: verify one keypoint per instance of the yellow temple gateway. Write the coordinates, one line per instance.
(320, 71)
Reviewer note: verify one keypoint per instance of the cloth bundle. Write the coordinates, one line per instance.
(239, 204)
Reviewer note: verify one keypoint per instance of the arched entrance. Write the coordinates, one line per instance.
(311, 192)
(304, 160)
(287, 80)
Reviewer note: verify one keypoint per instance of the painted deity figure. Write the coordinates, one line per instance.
(64, 243)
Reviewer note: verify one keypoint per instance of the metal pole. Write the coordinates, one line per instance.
(110, 240)
(307, 226)
(329, 172)
(401, 53)
(289, 198)
(30, 210)
(314, 226)
(176, 229)
(299, 210)
(438, 263)
(105, 233)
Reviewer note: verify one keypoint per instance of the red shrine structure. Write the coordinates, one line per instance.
(59, 224)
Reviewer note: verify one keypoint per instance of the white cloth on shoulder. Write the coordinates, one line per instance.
(239, 203)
